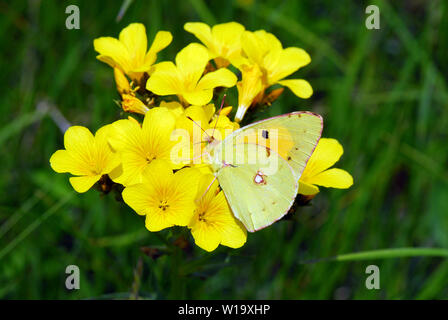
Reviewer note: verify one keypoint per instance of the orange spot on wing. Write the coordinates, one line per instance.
(260, 178)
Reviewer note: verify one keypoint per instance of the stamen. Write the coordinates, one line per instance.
(163, 205)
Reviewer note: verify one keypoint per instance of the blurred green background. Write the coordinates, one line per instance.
(383, 95)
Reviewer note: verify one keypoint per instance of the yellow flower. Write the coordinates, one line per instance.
(209, 121)
(222, 40)
(213, 222)
(185, 79)
(327, 153)
(139, 145)
(206, 123)
(133, 104)
(165, 198)
(276, 63)
(266, 61)
(248, 88)
(128, 52)
(86, 156)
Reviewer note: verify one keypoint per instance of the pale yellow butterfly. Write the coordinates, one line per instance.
(258, 166)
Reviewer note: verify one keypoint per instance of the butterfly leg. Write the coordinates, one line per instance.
(208, 188)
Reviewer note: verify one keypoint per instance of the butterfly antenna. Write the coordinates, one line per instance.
(200, 127)
(219, 112)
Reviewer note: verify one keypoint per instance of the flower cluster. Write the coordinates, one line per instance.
(137, 151)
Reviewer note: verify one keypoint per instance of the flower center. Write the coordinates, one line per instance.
(163, 205)
(201, 217)
(149, 158)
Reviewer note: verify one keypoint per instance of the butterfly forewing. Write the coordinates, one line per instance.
(293, 136)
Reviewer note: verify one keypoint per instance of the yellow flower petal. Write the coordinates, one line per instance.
(121, 81)
(106, 159)
(252, 47)
(327, 153)
(113, 52)
(80, 143)
(83, 184)
(234, 235)
(156, 222)
(201, 31)
(209, 110)
(228, 34)
(225, 111)
(156, 219)
(62, 161)
(198, 114)
(299, 87)
(174, 107)
(288, 61)
(136, 196)
(117, 172)
(164, 80)
(257, 44)
(191, 62)
(206, 238)
(227, 40)
(126, 134)
(198, 97)
(220, 78)
(248, 88)
(307, 189)
(77, 138)
(157, 174)
(203, 168)
(268, 40)
(332, 178)
(127, 140)
(158, 124)
(154, 171)
(134, 38)
(132, 166)
(161, 41)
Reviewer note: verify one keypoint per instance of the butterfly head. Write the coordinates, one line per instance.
(211, 143)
